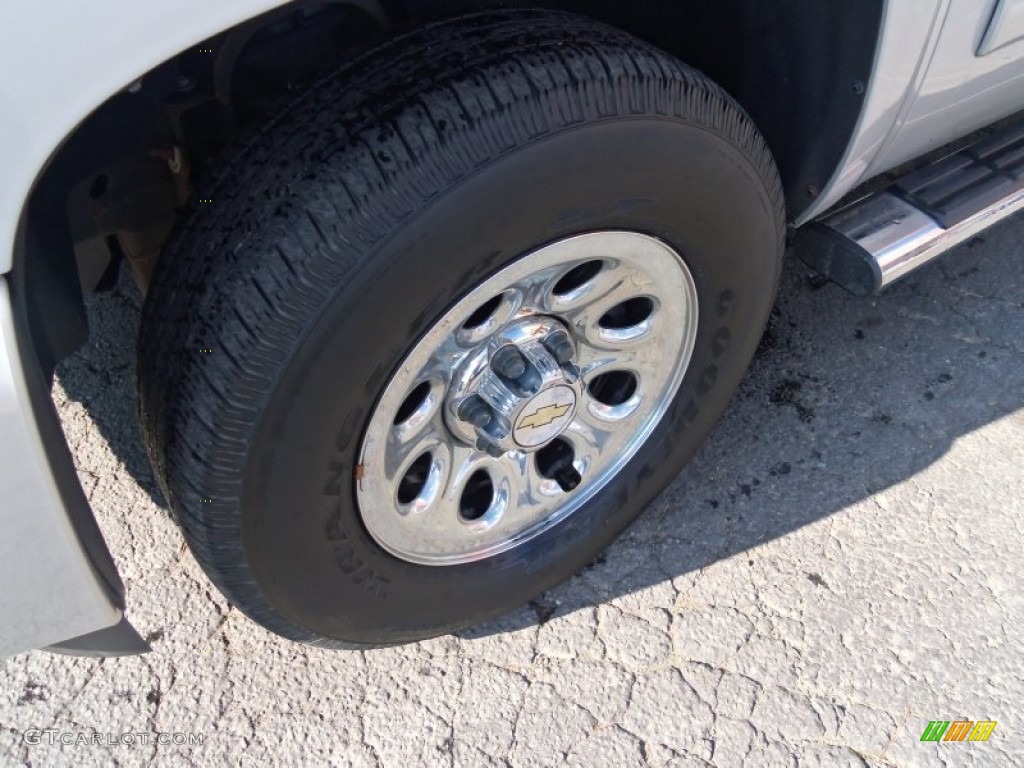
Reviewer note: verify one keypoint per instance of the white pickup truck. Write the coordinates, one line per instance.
(440, 293)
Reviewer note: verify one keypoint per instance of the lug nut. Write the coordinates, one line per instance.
(568, 478)
(485, 445)
(560, 346)
(509, 362)
(475, 411)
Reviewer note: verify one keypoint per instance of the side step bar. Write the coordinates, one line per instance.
(880, 238)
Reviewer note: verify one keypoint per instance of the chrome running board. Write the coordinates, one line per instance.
(876, 240)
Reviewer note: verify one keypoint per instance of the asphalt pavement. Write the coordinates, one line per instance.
(841, 564)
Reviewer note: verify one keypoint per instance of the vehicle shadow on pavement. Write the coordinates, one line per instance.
(101, 377)
(846, 397)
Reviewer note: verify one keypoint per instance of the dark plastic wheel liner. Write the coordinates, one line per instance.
(340, 234)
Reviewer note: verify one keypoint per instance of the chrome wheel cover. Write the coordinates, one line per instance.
(463, 459)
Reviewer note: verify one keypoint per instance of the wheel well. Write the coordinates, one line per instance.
(113, 191)
(800, 68)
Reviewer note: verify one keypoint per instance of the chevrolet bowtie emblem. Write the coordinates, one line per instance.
(544, 416)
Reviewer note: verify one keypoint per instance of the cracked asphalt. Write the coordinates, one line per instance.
(841, 564)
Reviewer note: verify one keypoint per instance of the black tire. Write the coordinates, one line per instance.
(341, 232)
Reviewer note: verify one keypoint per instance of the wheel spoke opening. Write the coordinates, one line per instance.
(627, 314)
(477, 496)
(614, 388)
(482, 314)
(488, 317)
(414, 404)
(577, 277)
(414, 481)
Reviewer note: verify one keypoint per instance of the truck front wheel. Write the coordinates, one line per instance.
(451, 321)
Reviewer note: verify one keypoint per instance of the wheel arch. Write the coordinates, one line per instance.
(134, 113)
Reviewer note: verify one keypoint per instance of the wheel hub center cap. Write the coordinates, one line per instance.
(518, 391)
(545, 417)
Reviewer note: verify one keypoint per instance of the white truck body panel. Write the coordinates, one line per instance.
(49, 590)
